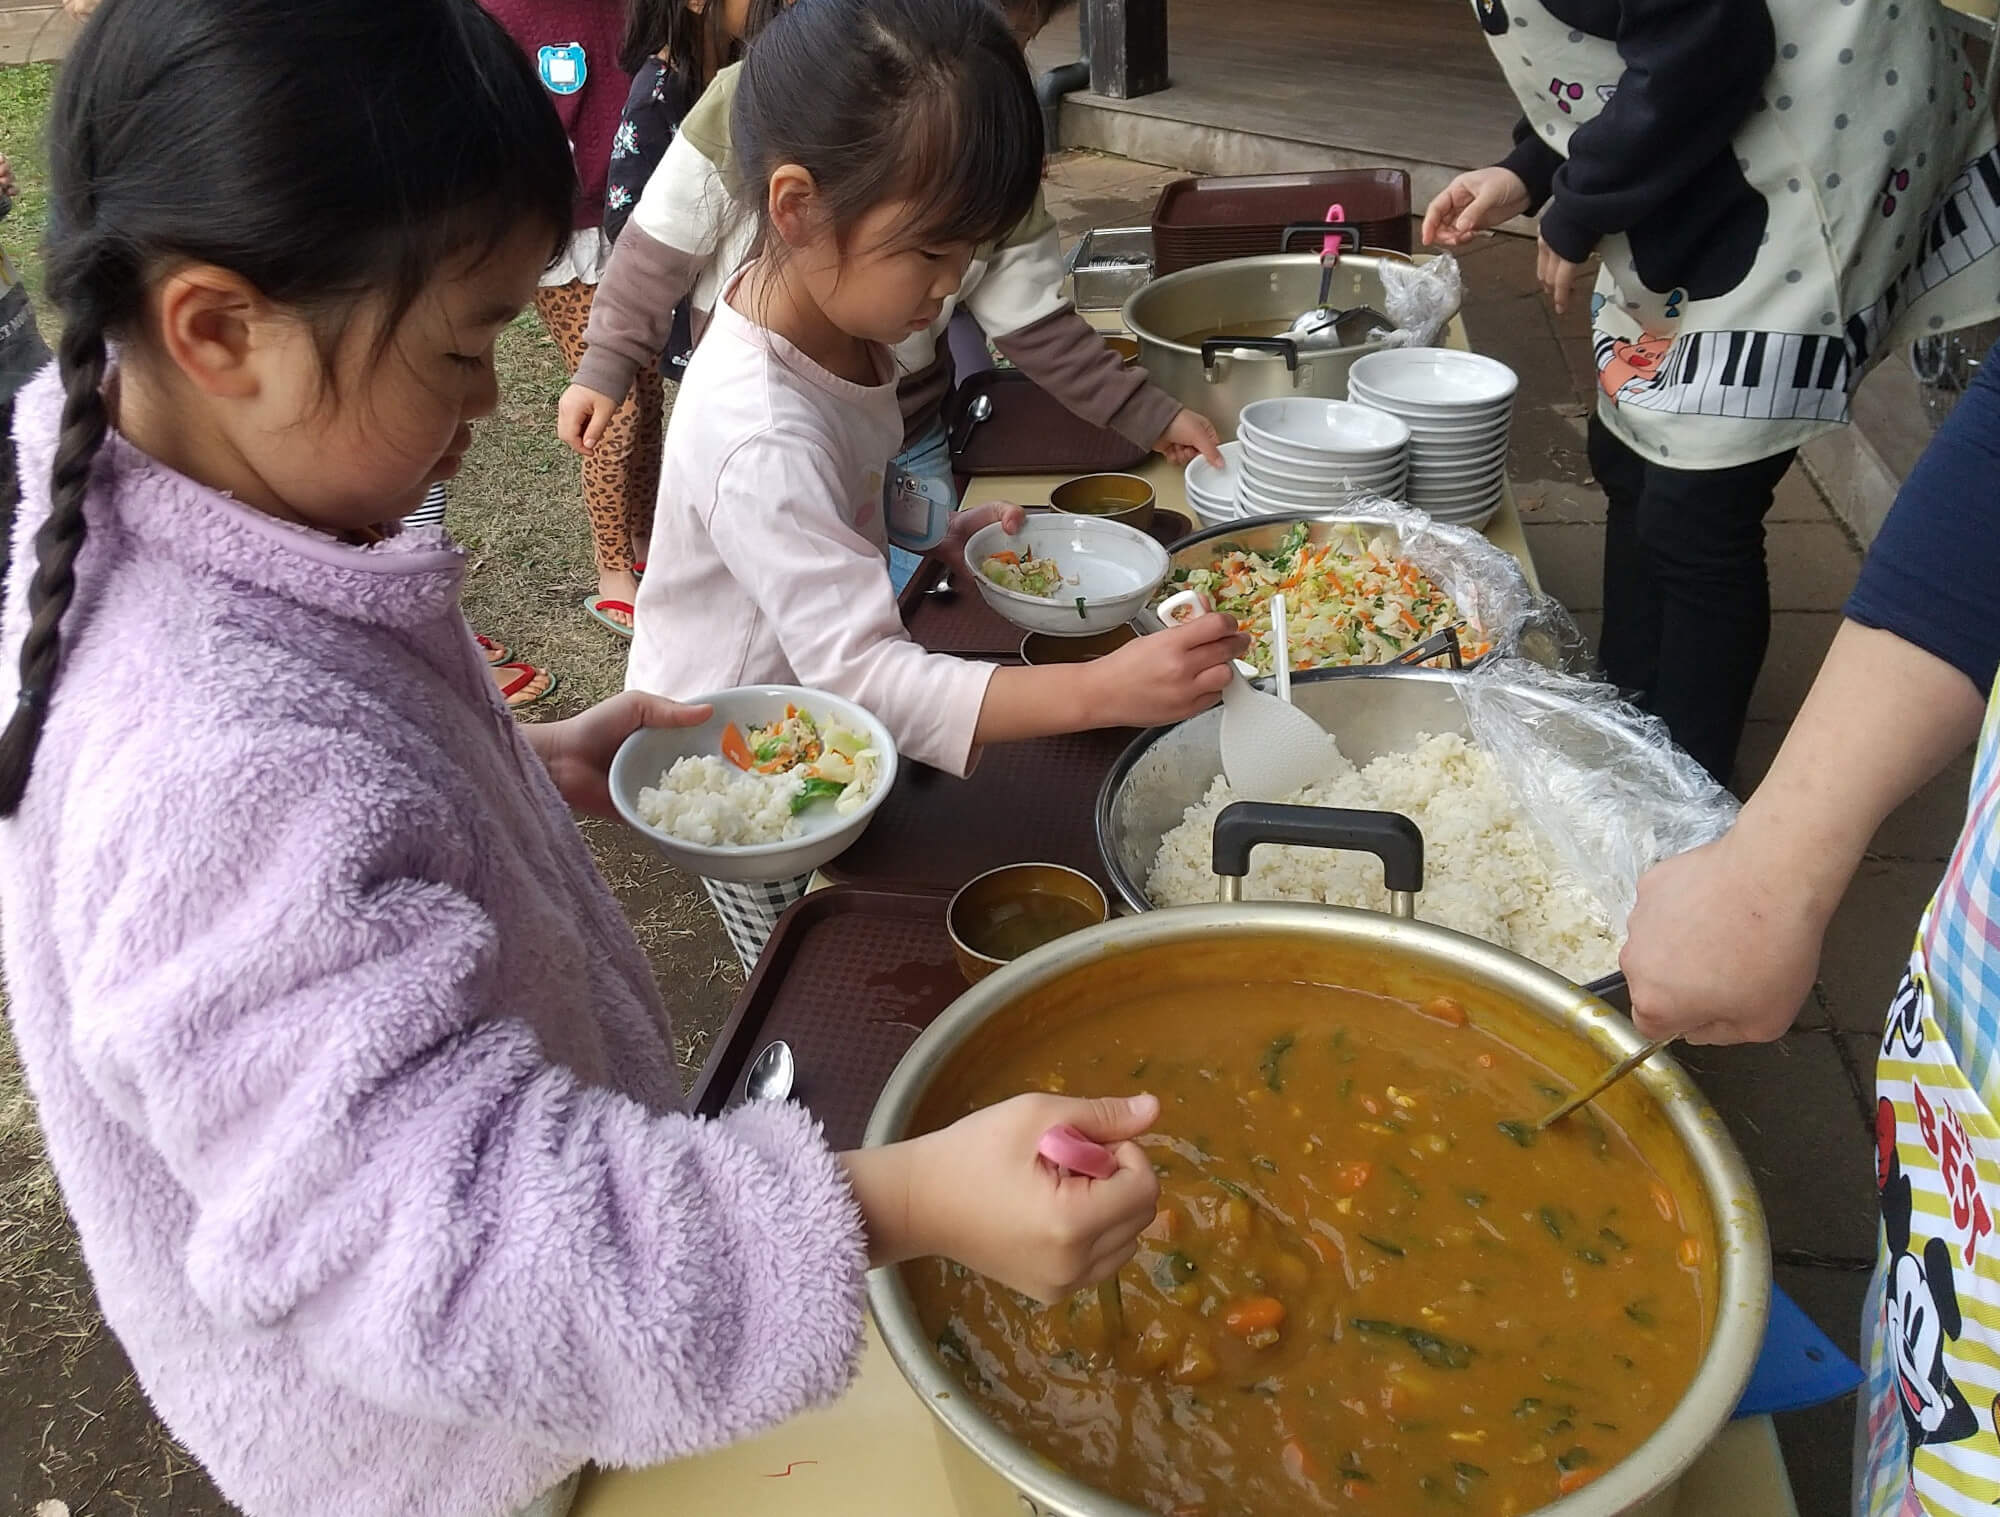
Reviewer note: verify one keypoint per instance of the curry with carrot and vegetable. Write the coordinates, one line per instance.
(1370, 1287)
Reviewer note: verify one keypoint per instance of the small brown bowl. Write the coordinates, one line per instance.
(1113, 497)
(1127, 349)
(1040, 648)
(985, 900)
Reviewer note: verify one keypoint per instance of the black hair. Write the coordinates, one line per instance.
(326, 151)
(923, 100)
(670, 29)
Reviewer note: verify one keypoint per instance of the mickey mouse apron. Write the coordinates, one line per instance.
(1931, 1330)
(1863, 211)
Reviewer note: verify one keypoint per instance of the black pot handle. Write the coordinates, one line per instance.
(1345, 231)
(1214, 347)
(1392, 838)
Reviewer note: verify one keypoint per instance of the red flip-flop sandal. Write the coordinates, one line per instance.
(496, 655)
(598, 607)
(514, 680)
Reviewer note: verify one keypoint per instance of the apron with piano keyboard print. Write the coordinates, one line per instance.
(1861, 210)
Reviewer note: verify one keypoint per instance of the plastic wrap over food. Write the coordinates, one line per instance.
(1600, 778)
(1421, 299)
(1485, 582)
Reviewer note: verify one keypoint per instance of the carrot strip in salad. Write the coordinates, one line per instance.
(735, 749)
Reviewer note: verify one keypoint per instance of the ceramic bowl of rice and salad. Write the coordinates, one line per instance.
(1067, 576)
(778, 781)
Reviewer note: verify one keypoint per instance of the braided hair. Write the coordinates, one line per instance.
(329, 152)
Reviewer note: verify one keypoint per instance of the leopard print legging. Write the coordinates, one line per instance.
(621, 476)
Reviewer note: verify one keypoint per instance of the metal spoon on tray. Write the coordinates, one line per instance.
(771, 1074)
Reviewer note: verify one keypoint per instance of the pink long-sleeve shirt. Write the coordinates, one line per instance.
(769, 558)
(359, 1090)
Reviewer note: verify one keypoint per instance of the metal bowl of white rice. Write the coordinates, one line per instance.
(1489, 871)
(720, 823)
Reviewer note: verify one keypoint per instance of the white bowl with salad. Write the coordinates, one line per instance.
(1068, 576)
(778, 781)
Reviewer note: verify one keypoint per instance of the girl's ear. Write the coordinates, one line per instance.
(793, 204)
(211, 324)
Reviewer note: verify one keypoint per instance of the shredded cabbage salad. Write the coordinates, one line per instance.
(1024, 573)
(829, 762)
(1344, 604)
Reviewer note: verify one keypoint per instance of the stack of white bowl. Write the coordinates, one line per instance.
(1301, 454)
(1459, 408)
(1212, 492)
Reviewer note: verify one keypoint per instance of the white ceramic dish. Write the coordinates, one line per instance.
(644, 758)
(1110, 570)
(1459, 463)
(1448, 416)
(1212, 488)
(1453, 431)
(1334, 428)
(1271, 498)
(1356, 479)
(1305, 477)
(1434, 377)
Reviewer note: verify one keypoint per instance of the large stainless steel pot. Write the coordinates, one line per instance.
(1569, 1030)
(1184, 322)
(1369, 711)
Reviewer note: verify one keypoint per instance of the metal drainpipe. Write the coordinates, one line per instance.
(1064, 80)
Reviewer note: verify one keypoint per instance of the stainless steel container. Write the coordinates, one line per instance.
(1108, 264)
(1183, 322)
(1566, 1028)
(1146, 795)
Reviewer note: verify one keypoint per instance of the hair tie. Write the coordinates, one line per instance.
(32, 698)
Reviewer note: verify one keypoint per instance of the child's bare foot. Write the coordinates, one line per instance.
(523, 684)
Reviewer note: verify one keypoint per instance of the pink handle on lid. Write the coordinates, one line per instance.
(1331, 247)
(1066, 1148)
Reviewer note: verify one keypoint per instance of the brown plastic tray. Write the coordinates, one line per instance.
(960, 622)
(1033, 802)
(1031, 432)
(1197, 221)
(849, 978)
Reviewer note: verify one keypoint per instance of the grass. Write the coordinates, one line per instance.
(74, 1425)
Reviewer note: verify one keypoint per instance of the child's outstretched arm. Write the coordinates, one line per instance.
(676, 230)
(1020, 305)
(286, 986)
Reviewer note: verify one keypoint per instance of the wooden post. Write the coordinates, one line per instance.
(1126, 41)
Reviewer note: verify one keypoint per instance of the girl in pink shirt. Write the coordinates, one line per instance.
(881, 145)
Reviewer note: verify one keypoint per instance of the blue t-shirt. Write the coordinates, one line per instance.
(1932, 573)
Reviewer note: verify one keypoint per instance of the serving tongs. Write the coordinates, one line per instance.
(1438, 645)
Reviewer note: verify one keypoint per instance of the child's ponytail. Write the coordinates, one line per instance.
(82, 359)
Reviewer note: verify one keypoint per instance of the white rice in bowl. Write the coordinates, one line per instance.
(707, 800)
(1488, 870)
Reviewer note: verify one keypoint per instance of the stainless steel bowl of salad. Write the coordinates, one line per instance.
(778, 781)
(1352, 599)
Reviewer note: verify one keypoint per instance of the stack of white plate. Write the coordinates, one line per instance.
(1301, 454)
(1459, 408)
(1212, 492)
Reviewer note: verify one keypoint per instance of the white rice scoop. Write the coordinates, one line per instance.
(1269, 748)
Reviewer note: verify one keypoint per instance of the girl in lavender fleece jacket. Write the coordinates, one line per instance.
(358, 1087)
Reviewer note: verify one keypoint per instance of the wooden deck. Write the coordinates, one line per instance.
(1266, 85)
